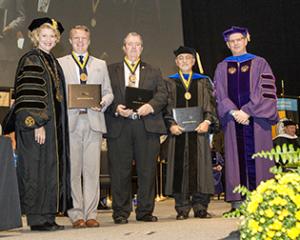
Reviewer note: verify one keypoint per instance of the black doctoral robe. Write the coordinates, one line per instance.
(189, 165)
(43, 170)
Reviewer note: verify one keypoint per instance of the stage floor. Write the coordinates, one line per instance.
(167, 228)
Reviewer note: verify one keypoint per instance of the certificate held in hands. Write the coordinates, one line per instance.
(189, 118)
(84, 95)
(136, 97)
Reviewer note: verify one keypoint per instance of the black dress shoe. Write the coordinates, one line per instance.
(181, 216)
(120, 220)
(148, 218)
(58, 227)
(202, 214)
(47, 227)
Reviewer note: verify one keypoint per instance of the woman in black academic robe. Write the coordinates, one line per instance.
(41, 130)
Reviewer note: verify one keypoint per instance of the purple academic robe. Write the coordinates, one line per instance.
(257, 97)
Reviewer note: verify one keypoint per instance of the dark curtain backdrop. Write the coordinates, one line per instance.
(274, 26)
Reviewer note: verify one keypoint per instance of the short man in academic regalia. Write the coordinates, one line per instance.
(246, 100)
(189, 170)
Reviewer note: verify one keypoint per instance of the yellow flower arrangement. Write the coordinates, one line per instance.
(272, 211)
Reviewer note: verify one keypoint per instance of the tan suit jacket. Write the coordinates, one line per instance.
(97, 74)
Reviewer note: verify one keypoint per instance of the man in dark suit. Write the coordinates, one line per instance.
(134, 135)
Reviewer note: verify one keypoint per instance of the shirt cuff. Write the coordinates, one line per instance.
(207, 121)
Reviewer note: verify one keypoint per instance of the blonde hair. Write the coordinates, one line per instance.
(34, 35)
(79, 27)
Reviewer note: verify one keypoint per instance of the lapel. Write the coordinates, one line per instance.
(143, 73)
(121, 77)
(90, 70)
(72, 71)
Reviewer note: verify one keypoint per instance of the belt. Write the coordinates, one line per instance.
(134, 116)
(82, 112)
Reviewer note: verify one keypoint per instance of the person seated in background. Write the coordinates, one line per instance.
(288, 136)
(217, 166)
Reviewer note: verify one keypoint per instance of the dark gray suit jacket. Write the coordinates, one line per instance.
(150, 78)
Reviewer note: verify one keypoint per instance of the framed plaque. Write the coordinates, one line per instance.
(136, 97)
(5, 99)
(189, 118)
(84, 95)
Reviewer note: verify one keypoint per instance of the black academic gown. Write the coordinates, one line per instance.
(43, 170)
(286, 139)
(189, 167)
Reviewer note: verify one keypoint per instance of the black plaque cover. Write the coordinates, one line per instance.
(189, 118)
(136, 97)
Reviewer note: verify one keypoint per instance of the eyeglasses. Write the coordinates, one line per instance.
(187, 58)
(238, 40)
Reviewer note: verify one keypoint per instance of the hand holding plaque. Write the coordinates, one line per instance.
(145, 110)
(136, 97)
(188, 118)
(202, 127)
(176, 130)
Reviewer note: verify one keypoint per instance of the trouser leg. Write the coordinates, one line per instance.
(182, 203)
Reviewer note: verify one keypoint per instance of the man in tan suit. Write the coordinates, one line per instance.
(86, 127)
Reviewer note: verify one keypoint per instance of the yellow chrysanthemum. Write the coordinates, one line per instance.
(293, 233)
(270, 233)
(278, 201)
(252, 206)
(297, 215)
(262, 220)
(277, 225)
(283, 214)
(281, 189)
(296, 200)
(269, 213)
(262, 188)
(269, 208)
(253, 225)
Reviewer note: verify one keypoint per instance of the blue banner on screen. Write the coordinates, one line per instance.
(287, 104)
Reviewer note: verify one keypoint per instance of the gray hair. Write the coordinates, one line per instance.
(135, 34)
